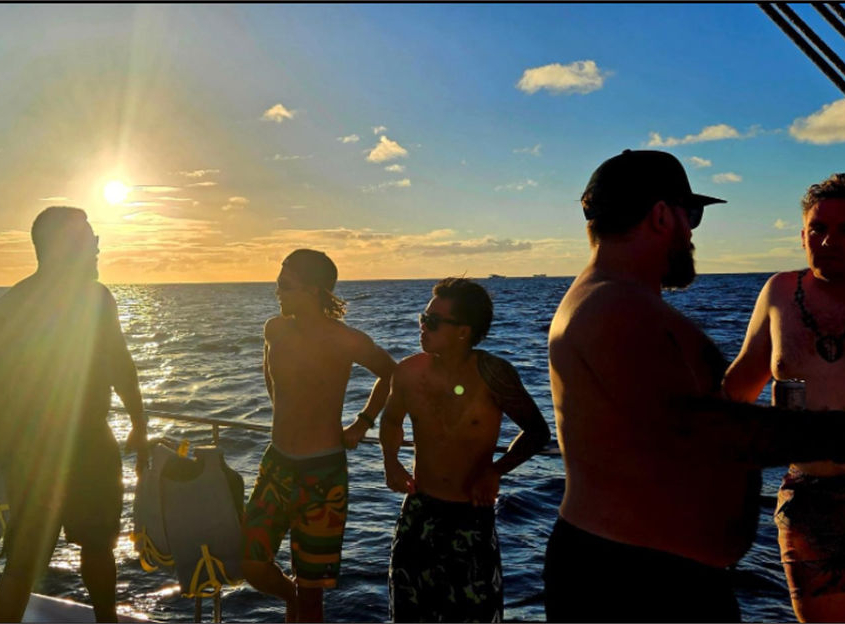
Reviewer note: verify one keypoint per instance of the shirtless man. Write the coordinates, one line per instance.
(302, 481)
(663, 475)
(61, 353)
(797, 331)
(444, 563)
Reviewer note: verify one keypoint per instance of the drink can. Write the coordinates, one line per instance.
(789, 393)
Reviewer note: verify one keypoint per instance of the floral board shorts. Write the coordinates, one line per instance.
(306, 495)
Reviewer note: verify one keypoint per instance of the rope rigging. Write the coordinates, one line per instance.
(808, 40)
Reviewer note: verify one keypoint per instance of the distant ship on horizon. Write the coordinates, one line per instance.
(496, 276)
(539, 275)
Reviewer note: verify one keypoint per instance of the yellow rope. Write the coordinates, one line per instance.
(148, 554)
(212, 586)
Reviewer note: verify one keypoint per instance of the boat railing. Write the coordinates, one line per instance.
(551, 449)
(217, 423)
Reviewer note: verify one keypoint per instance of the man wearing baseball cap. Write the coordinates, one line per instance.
(662, 473)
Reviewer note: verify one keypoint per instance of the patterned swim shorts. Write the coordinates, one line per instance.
(308, 497)
(445, 564)
(810, 518)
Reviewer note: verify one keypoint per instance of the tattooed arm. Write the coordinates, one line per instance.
(514, 401)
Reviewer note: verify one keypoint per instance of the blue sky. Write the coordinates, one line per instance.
(404, 140)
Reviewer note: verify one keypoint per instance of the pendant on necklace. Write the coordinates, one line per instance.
(829, 347)
(459, 389)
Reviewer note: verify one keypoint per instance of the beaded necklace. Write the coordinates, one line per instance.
(829, 346)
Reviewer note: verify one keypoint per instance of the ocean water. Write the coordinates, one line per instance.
(198, 349)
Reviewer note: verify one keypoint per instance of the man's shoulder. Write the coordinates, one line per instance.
(100, 290)
(273, 325)
(499, 374)
(618, 304)
(780, 286)
(412, 364)
(352, 336)
(488, 361)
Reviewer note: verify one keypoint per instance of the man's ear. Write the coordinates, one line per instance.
(662, 217)
(464, 332)
(803, 239)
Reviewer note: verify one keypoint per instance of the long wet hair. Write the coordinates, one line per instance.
(315, 268)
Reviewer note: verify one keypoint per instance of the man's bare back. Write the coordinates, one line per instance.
(307, 367)
(619, 354)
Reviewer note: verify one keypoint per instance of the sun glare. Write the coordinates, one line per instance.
(115, 192)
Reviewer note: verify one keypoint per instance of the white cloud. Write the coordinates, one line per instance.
(207, 183)
(235, 203)
(277, 113)
(379, 129)
(386, 150)
(578, 77)
(780, 224)
(403, 183)
(53, 199)
(157, 189)
(144, 204)
(534, 151)
(352, 138)
(726, 178)
(715, 132)
(822, 127)
(700, 162)
(292, 157)
(198, 173)
(516, 186)
(395, 168)
(751, 260)
(175, 199)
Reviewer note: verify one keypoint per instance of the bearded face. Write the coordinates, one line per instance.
(680, 271)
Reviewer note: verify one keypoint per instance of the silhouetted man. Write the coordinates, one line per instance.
(662, 473)
(445, 564)
(303, 483)
(61, 353)
(797, 331)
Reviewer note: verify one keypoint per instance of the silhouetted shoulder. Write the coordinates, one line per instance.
(273, 327)
(105, 296)
(16, 294)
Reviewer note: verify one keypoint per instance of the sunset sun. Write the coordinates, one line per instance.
(115, 192)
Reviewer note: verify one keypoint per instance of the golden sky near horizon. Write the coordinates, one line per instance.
(405, 141)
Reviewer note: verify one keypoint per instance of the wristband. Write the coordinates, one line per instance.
(370, 421)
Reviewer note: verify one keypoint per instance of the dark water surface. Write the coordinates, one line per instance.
(198, 349)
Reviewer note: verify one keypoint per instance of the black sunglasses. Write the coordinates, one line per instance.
(694, 214)
(432, 321)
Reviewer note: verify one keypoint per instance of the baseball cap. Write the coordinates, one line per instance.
(635, 180)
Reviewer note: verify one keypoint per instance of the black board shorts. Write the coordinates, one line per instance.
(445, 564)
(592, 579)
(85, 495)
